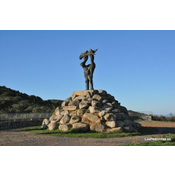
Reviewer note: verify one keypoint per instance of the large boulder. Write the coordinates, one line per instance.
(57, 111)
(114, 129)
(97, 97)
(102, 92)
(93, 109)
(53, 125)
(80, 112)
(65, 119)
(91, 117)
(97, 127)
(111, 124)
(110, 117)
(102, 113)
(121, 116)
(74, 119)
(129, 128)
(69, 108)
(84, 105)
(107, 107)
(128, 122)
(56, 118)
(74, 103)
(80, 127)
(96, 104)
(45, 123)
(137, 125)
(64, 127)
(120, 123)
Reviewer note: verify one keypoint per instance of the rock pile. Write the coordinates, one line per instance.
(91, 110)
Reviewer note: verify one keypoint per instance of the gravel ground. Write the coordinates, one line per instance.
(15, 137)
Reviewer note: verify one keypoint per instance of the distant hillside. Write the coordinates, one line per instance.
(12, 101)
(135, 114)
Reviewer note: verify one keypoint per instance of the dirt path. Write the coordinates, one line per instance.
(15, 137)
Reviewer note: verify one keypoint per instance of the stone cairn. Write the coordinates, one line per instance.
(91, 110)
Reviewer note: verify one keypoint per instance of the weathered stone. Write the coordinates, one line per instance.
(79, 98)
(45, 121)
(102, 92)
(110, 117)
(102, 113)
(72, 113)
(104, 101)
(128, 122)
(56, 118)
(64, 127)
(64, 103)
(107, 107)
(64, 112)
(80, 112)
(96, 103)
(89, 100)
(110, 98)
(91, 117)
(124, 110)
(120, 123)
(137, 125)
(71, 108)
(74, 96)
(44, 126)
(74, 103)
(53, 125)
(93, 109)
(57, 111)
(68, 100)
(97, 127)
(65, 119)
(121, 116)
(80, 127)
(84, 105)
(116, 111)
(74, 119)
(85, 120)
(115, 104)
(129, 128)
(81, 93)
(87, 94)
(111, 124)
(114, 129)
(97, 97)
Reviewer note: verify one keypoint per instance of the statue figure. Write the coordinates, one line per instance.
(88, 69)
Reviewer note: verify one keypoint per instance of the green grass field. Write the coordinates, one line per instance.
(70, 133)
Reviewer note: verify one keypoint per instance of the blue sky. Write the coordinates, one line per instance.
(137, 67)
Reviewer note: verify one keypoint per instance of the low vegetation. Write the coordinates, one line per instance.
(70, 133)
(12, 101)
(163, 118)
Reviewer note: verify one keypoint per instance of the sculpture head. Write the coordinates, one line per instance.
(92, 52)
(84, 54)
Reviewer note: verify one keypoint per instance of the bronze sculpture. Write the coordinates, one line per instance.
(88, 69)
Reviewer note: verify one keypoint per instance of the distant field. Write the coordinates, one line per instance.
(163, 127)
